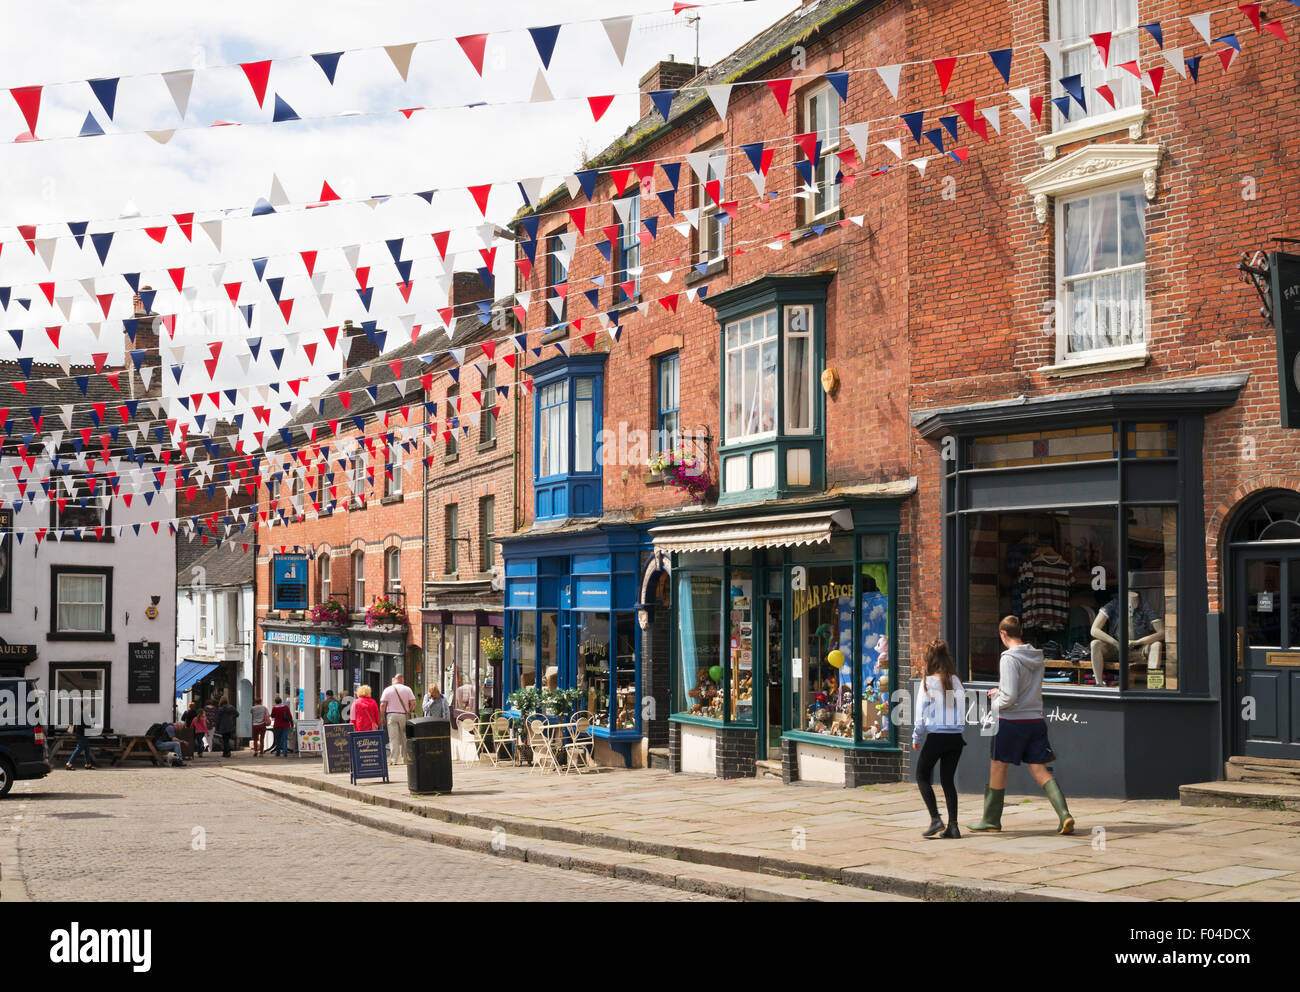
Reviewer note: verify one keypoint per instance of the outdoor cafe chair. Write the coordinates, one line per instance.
(470, 736)
(578, 750)
(503, 735)
(542, 745)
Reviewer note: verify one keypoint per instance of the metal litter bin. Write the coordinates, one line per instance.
(428, 755)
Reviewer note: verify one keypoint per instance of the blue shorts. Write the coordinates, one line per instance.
(1026, 741)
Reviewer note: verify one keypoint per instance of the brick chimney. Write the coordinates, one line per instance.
(362, 350)
(670, 75)
(147, 339)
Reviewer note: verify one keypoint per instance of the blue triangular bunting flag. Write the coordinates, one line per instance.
(101, 243)
(329, 64)
(587, 180)
(1001, 59)
(913, 122)
(283, 112)
(544, 39)
(1156, 32)
(78, 230)
(840, 83)
(663, 101)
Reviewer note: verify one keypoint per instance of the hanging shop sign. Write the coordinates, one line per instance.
(289, 582)
(143, 663)
(1286, 318)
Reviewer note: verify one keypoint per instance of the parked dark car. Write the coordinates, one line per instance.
(22, 744)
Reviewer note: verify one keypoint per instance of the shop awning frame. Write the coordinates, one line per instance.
(189, 672)
(746, 533)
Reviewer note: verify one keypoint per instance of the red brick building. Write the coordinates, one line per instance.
(928, 392)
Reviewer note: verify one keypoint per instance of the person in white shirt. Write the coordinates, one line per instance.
(395, 705)
(940, 713)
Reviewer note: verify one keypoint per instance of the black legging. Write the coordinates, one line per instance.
(944, 749)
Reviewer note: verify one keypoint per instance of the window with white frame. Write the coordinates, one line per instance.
(358, 580)
(452, 436)
(1101, 261)
(201, 629)
(322, 489)
(358, 474)
(81, 602)
(323, 571)
(750, 382)
(553, 429)
(487, 427)
(78, 511)
(629, 246)
(1075, 22)
(822, 117)
(710, 230)
(393, 485)
(393, 569)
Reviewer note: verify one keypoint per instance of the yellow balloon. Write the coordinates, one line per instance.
(835, 659)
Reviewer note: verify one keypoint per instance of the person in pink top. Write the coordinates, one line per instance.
(365, 711)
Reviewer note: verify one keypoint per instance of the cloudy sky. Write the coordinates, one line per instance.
(206, 169)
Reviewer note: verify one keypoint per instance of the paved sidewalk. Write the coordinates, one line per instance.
(868, 837)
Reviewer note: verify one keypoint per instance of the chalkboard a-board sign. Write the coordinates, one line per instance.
(143, 662)
(369, 755)
(336, 751)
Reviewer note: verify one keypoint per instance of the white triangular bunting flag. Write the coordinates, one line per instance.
(401, 56)
(1024, 116)
(760, 183)
(699, 163)
(162, 136)
(895, 145)
(278, 197)
(619, 30)
(889, 75)
(574, 184)
(1021, 96)
(994, 116)
(720, 95)
(1174, 56)
(179, 84)
(1052, 49)
(212, 228)
(541, 91)
(1202, 24)
(45, 248)
(858, 135)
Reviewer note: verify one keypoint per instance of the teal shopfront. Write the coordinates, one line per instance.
(784, 645)
(571, 613)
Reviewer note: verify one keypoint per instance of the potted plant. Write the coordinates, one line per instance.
(493, 648)
(385, 613)
(688, 473)
(330, 612)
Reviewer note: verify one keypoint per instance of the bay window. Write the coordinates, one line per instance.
(568, 396)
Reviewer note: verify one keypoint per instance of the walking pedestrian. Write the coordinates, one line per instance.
(227, 723)
(281, 724)
(82, 746)
(396, 705)
(349, 700)
(940, 707)
(365, 711)
(210, 719)
(1021, 730)
(259, 717)
(200, 727)
(330, 709)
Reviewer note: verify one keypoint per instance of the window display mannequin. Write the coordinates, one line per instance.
(1146, 633)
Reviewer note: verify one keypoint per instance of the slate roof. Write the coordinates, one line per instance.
(222, 566)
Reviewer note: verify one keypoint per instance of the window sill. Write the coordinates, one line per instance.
(395, 498)
(53, 636)
(714, 268)
(450, 459)
(1113, 361)
(1131, 119)
(846, 743)
(487, 445)
(826, 220)
(560, 333)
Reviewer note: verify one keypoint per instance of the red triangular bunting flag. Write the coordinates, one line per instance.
(105, 301)
(326, 193)
(579, 217)
(1102, 40)
(286, 308)
(440, 242)
(258, 73)
(1156, 75)
(157, 233)
(781, 90)
(944, 67)
(599, 104)
(232, 291)
(1226, 56)
(1251, 10)
(1275, 28)
(309, 260)
(480, 194)
(186, 223)
(1105, 93)
(473, 46)
(332, 335)
(178, 277)
(28, 99)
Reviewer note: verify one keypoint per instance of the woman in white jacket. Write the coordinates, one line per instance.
(940, 712)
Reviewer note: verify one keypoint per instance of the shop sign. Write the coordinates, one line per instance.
(142, 671)
(311, 736)
(336, 661)
(1286, 318)
(334, 748)
(17, 652)
(289, 582)
(368, 755)
(308, 640)
(803, 600)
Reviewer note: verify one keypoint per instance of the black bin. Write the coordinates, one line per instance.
(428, 755)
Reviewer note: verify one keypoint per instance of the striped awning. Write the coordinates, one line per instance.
(785, 531)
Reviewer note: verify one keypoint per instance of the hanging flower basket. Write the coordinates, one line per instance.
(331, 612)
(385, 613)
(688, 473)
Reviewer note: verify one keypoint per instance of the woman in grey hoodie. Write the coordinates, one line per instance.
(1022, 731)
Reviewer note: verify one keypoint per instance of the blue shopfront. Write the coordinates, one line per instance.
(572, 624)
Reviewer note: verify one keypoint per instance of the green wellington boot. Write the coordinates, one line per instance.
(1054, 793)
(991, 822)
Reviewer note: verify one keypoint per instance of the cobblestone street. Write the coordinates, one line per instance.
(131, 834)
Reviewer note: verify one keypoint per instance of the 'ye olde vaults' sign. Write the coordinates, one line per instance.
(1286, 318)
(142, 666)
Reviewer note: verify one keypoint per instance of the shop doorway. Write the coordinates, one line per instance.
(774, 655)
(1265, 608)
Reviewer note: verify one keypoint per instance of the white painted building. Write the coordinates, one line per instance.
(214, 629)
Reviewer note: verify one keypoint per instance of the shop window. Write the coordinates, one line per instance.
(593, 666)
(433, 656)
(1276, 519)
(699, 623)
(448, 681)
(668, 414)
(1158, 440)
(523, 648)
(358, 580)
(548, 656)
(81, 606)
(393, 569)
(1102, 270)
(1071, 444)
(1151, 619)
(822, 117)
(625, 704)
(488, 673)
(629, 248)
(487, 549)
(1054, 569)
(465, 666)
(874, 617)
(822, 646)
(451, 437)
(557, 275)
(450, 529)
(79, 693)
(739, 624)
(1075, 23)
(487, 421)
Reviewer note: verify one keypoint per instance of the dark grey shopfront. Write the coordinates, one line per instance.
(1064, 511)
